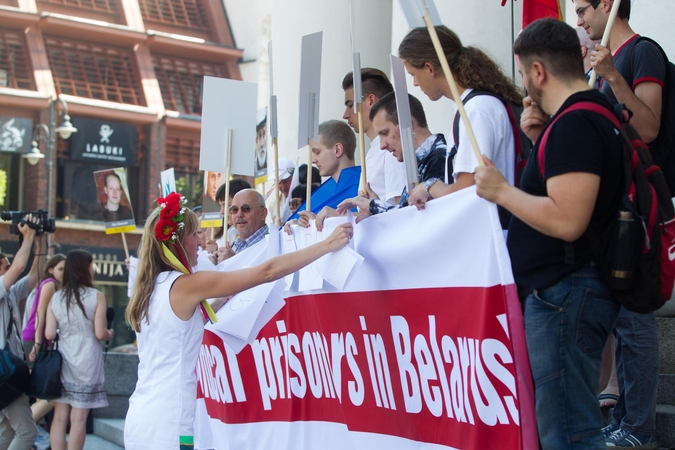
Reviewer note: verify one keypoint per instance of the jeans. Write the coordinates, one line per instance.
(637, 371)
(566, 326)
(17, 429)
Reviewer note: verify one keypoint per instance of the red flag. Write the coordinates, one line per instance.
(539, 9)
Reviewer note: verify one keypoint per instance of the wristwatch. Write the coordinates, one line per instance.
(427, 185)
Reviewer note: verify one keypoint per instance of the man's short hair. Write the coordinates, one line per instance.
(333, 131)
(111, 174)
(236, 185)
(258, 196)
(388, 104)
(373, 81)
(553, 43)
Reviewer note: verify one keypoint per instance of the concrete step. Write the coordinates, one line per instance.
(111, 430)
(665, 426)
(666, 332)
(93, 442)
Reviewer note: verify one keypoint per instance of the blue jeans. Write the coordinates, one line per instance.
(637, 371)
(566, 326)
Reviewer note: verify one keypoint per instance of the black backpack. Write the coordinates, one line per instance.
(636, 255)
(663, 147)
(523, 145)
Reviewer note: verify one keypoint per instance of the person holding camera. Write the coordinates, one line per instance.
(17, 429)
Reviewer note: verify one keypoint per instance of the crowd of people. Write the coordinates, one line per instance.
(577, 333)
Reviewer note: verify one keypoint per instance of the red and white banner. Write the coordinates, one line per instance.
(424, 349)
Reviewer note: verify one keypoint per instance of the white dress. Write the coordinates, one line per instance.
(162, 407)
(82, 369)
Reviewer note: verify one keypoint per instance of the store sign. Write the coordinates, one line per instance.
(100, 141)
(108, 263)
(15, 134)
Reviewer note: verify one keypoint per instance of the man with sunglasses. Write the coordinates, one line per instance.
(634, 73)
(248, 214)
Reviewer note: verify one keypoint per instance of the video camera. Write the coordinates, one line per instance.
(45, 224)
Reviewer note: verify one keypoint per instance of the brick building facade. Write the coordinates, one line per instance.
(135, 66)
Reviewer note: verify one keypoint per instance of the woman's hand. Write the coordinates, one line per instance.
(340, 237)
(33, 353)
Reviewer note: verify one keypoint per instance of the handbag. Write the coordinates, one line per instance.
(14, 372)
(45, 379)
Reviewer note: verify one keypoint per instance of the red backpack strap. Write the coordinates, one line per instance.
(585, 106)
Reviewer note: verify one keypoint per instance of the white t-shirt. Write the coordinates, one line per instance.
(494, 133)
(385, 174)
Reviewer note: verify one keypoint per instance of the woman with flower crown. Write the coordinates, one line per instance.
(164, 310)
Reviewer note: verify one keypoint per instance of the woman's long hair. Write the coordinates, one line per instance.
(151, 262)
(51, 264)
(76, 277)
(470, 67)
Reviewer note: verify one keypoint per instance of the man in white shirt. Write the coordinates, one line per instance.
(386, 175)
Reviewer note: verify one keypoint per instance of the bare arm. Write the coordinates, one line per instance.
(45, 300)
(33, 276)
(21, 257)
(50, 328)
(189, 290)
(645, 102)
(564, 214)
(100, 330)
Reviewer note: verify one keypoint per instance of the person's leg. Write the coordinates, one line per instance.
(57, 432)
(40, 409)
(608, 382)
(638, 347)
(566, 328)
(78, 428)
(17, 417)
(6, 432)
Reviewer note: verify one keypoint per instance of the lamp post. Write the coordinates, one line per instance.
(65, 129)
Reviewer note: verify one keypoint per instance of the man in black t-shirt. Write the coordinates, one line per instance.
(634, 74)
(569, 311)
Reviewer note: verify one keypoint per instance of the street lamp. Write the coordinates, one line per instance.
(65, 130)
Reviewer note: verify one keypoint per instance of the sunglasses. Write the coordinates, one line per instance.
(244, 208)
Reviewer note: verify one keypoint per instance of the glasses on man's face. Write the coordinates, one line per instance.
(244, 208)
(582, 11)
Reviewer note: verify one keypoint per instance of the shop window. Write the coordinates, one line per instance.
(94, 71)
(182, 13)
(9, 181)
(77, 195)
(183, 155)
(15, 70)
(180, 81)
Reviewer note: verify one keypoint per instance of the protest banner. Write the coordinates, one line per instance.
(424, 348)
(113, 194)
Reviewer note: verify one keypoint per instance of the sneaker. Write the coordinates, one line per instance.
(622, 439)
(42, 439)
(609, 430)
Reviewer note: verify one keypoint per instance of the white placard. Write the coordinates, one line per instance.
(404, 121)
(310, 87)
(168, 179)
(415, 10)
(228, 104)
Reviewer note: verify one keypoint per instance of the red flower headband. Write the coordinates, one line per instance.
(171, 216)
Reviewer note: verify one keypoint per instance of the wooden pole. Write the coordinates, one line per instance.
(362, 141)
(126, 247)
(226, 207)
(310, 136)
(453, 87)
(275, 145)
(605, 37)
